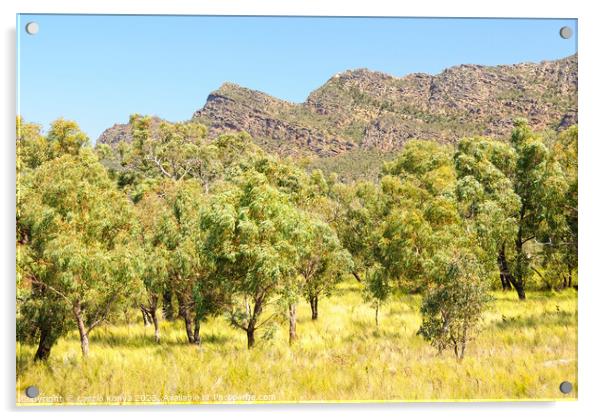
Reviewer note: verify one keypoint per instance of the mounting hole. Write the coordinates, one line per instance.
(566, 32)
(566, 387)
(32, 28)
(32, 391)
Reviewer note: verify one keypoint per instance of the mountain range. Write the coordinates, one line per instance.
(363, 111)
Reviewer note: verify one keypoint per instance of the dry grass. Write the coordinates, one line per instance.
(524, 351)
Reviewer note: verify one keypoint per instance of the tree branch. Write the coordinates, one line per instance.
(35, 281)
(103, 315)
(160, 166)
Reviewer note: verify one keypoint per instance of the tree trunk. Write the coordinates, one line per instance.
(503, 266)
(251, 326)
(45, 344)
(313, 302)
(516, 283)
(505, 283)
(197, 332)
(250, 336)
(376, 314)
(520, 290)
(184, 305)
(168, 313)
(156, 324)
(188, 323)
(81, 327)
(518, 280)
(145, 316)
(292, 319)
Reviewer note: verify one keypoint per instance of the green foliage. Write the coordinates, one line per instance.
(453, 308)
(559, 229)
(252, 231)
(75, 230)
(228, 228)
(521, 200)
(323, 262)
(33, 148)
(486, 197)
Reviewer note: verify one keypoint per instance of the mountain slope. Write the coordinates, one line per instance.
(362, 109)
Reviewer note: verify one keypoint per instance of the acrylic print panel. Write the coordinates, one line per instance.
(218, 209)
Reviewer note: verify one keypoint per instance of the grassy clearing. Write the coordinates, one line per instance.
(524, 351)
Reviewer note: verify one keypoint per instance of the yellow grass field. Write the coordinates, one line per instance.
(525, 350)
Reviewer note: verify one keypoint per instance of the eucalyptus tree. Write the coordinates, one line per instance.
(323, 262)
(170, 219)
(530, 179)
(252, 231)
(360, 211)
(419, 186)
(79, 235)
(487, 200)
(559, 231)
(426, 245)
(162, 150)
(32, 146)
(510, 193)
(453, 307)
(40, 316)
(151, 212)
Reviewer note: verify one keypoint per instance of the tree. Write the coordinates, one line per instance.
(40, 316)
(509, 193)
(78, 230)
(559, 231)
(161, 150)
(65, 137)
(486, 197)
(322, 263)
(170, 218)
(32, 146)
(453, 309)
(150, 212)
(423, 217)
(360, 210)
(252, 231)
(171, 150)
(529, 185)
(427, 246)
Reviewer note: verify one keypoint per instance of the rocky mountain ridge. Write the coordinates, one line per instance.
(362, 109)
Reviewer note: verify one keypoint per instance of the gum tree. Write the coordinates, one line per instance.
(252, 231)
(452, 310)
(487, 200)
(360, 211)
(170, 219)
(322, 263)
(559, 230)
(40, 316)
(426, 245)
(80, 243)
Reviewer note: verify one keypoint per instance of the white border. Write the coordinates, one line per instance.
(590, 161)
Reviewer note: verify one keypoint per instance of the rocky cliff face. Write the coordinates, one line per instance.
(279, 126)
(363, 109)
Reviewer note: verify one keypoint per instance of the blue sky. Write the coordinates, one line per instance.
(97, 70)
